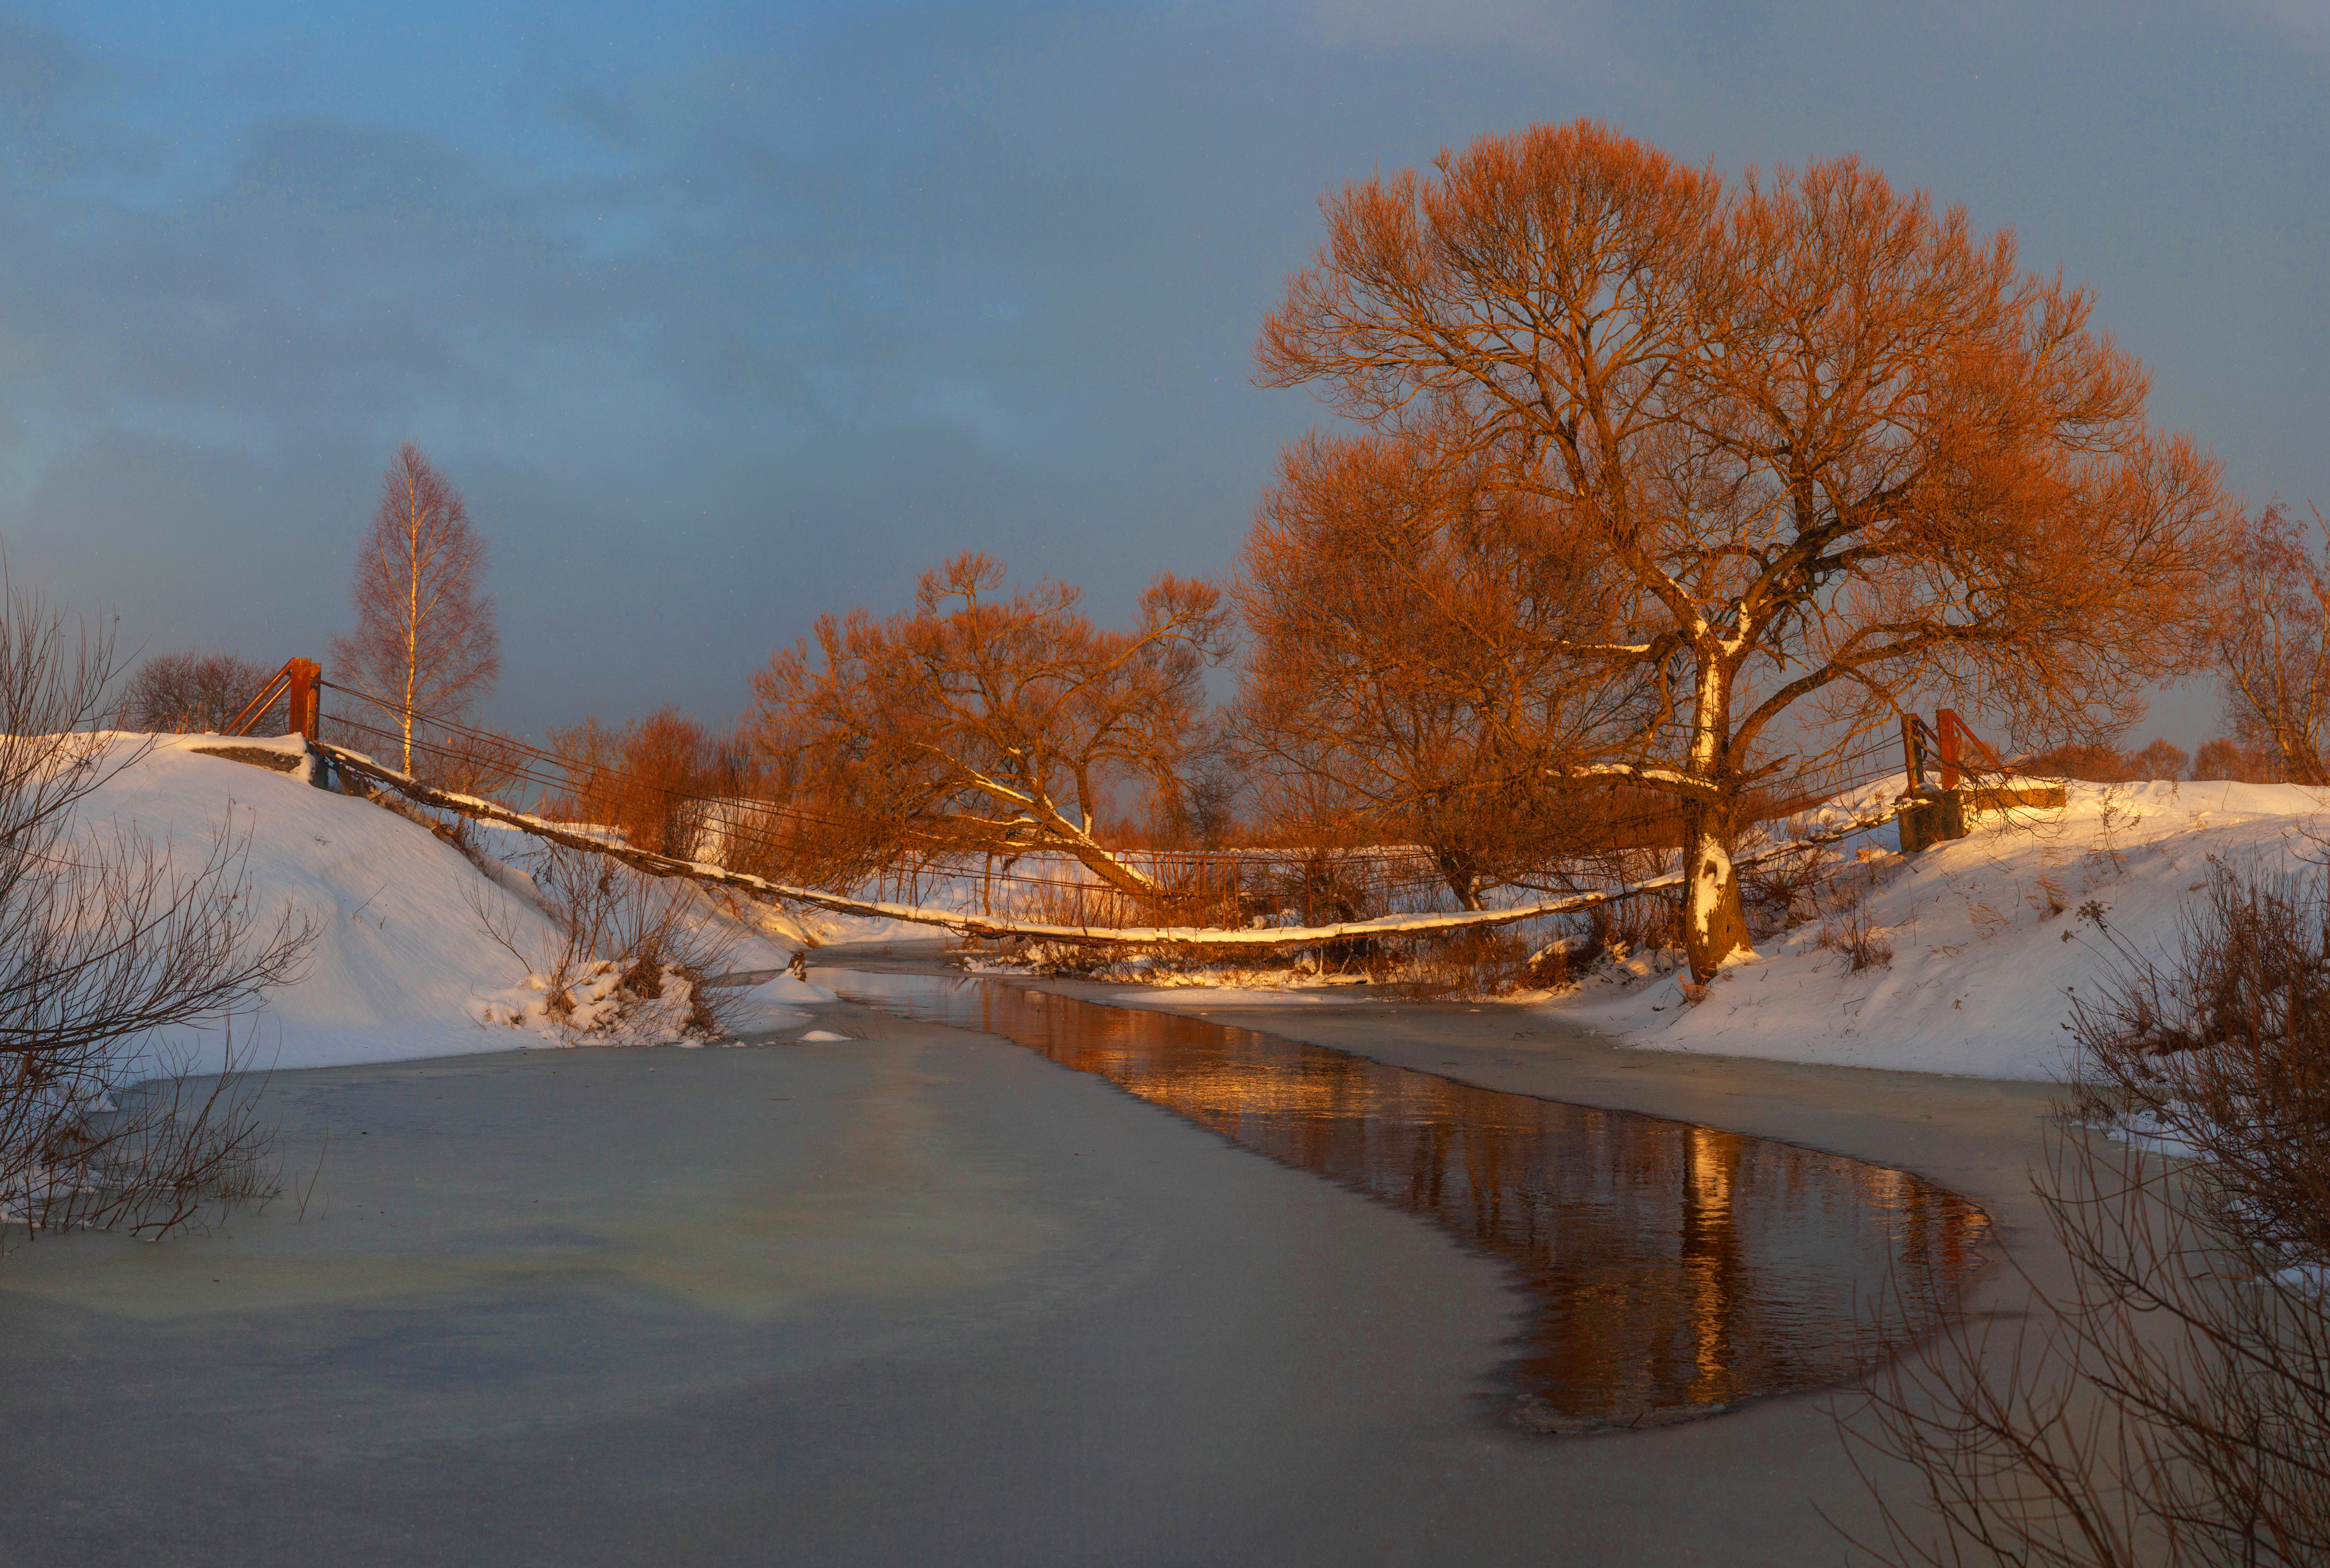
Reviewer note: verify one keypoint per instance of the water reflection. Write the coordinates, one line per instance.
(1674, 1268)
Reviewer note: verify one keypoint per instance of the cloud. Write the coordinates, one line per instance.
(1533, 24)
(727, 318)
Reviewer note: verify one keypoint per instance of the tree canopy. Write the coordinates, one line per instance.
(1838, 450)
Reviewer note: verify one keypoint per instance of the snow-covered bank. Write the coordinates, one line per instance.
(1989, 935)
(401, 965)
(1989, 938)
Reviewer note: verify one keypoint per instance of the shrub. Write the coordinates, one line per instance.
(107, 937)
(1469, 963)
(2173, 1406)
(189, 693)
(630, 958)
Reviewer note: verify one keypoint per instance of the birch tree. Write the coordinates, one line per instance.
(1841, 450)
(426, 643)
(985, 723)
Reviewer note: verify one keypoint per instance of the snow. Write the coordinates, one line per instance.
(1991, 936)
(401, 965)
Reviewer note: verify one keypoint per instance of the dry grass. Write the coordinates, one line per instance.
(1847, 927)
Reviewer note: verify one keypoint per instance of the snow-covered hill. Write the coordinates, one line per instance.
(401, 966)
(1989, 935)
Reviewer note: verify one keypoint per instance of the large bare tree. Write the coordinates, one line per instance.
(985, 723)
(1840, 449)
(425, 645)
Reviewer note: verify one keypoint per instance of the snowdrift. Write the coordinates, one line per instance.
(1991, 936)
(401, 966)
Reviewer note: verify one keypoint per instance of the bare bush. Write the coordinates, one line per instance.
(79, 1151)
(1646, 924)
(106, 938)
(189, 693)
(1784, 892)
(1468, 964)
(2228, 1053)
(630, 957)
(2173, 1406)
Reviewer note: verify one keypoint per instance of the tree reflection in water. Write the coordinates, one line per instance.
(1675, 1269)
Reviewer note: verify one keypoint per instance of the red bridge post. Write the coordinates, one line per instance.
(306, 694)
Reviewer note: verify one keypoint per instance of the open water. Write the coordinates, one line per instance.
(1672, 1269)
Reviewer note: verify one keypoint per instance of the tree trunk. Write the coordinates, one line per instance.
(1111, 870)
(1714, 919)
(1462, 876)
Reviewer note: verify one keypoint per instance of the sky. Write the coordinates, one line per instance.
(723, 316)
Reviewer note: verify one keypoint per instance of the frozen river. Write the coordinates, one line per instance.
(919, 1296)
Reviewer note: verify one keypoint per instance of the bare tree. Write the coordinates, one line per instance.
(468, 761)
(1405, 662)
(106, 936)
(2228, 758)
(2273, 645)
(189, 693)
(1842, 451)
(652, 779)
(425, 645)
(979, 723)
(1202, 807)
(2160, 759)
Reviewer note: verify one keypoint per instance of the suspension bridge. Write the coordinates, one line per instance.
(1928, 815)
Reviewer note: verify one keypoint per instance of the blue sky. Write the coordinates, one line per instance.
(725, 315)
